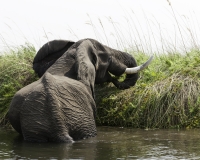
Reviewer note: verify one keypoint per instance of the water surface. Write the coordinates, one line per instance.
(110, 143)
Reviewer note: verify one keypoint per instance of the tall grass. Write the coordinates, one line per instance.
(167, 95)
(15, 73)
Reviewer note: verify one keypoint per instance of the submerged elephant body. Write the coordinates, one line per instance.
(60, 106)
(54, 108)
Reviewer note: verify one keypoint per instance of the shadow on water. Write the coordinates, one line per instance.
(111, 143)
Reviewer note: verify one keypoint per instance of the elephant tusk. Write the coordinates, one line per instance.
(138, 68)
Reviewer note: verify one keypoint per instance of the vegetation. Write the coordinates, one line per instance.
(167, 94)
(15, 73)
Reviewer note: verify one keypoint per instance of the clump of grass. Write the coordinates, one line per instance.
(166, 96)
(15, 73)
(171, 102)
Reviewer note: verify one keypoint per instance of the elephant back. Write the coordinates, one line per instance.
(48, 54)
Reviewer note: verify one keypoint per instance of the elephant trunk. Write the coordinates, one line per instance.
(131, 73)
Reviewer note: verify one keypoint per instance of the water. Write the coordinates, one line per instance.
(111, 143)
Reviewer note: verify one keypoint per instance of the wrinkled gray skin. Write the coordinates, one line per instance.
(60, 106)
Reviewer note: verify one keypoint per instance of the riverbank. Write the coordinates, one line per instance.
(167, 95)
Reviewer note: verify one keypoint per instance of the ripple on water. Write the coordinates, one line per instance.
(110, 143)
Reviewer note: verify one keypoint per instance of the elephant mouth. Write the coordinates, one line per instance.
(131, 75)
(138, 68)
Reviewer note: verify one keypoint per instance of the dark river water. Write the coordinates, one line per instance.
(110, 143)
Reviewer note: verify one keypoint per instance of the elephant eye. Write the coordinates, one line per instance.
(109, 58)
(104, 57)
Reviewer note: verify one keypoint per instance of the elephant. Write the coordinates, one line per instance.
(60, 105)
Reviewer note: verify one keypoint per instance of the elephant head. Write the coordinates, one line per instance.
(108, 61)
(60, 105)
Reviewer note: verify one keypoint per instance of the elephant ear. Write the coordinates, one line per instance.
(48, 54)
(86, 64)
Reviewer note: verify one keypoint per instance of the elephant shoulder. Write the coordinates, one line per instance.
(23, 92)
(20, 96)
